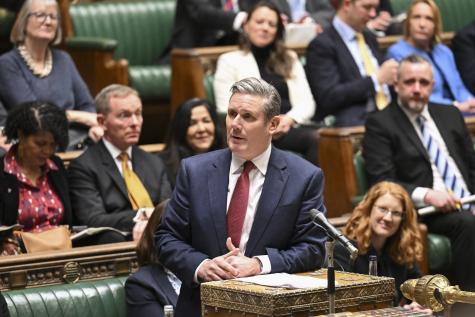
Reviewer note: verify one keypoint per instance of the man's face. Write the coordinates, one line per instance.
(248, 132)
(123, 123)
(414, 86)
(357, 13)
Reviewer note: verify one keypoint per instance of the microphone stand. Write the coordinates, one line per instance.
(329, 246)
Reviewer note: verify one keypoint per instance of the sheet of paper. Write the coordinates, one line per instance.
(285, 280)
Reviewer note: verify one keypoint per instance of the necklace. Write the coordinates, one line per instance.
(33, 66)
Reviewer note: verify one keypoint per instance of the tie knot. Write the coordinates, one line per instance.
(420, 120)
(124, 157)
(359, 37)
(248, 166)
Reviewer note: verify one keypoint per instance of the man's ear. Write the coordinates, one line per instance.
(274, 123)
(101, 120)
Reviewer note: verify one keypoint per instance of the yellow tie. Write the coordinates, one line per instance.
(138, 195)
(381, 100)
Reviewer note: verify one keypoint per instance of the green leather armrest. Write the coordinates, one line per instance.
(440, 253)
(6, 22)
(102, 44)
(102, 298)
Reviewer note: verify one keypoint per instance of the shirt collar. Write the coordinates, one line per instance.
(115, 151)
(260, 162)
(345, 31)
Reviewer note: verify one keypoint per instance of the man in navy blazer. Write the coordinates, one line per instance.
(335, 72)
(277, 234)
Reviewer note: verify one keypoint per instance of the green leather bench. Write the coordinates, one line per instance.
(455, 13)
(439, 252)
(139, 31)
(6, 22)
(101, 298)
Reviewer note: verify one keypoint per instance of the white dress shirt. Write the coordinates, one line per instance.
(438, 184)
(115, 152)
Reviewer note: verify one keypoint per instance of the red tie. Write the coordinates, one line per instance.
(228, 5)
(238, 205)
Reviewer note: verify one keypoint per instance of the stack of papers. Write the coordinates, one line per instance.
(286, 280)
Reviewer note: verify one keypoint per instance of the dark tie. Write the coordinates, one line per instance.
(440, 160)
(238, 205)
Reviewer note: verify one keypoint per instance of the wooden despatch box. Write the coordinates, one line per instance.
(354, 292)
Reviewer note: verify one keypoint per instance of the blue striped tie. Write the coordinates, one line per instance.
(440, 160)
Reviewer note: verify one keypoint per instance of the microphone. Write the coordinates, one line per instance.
(319, 218)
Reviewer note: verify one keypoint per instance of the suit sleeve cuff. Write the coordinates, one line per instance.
(195, 277)
(418, 195)
(266, 266)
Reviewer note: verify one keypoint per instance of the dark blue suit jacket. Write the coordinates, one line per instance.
(147, 291)
(193, 227)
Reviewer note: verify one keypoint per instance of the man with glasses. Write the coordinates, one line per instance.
(345, 69)
(114, 178)
(427, 149)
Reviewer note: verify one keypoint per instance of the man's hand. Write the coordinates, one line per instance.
(246, 266)
(381, 22)
(441, 200)
(95, 133)
(387, 72)
(218, 269)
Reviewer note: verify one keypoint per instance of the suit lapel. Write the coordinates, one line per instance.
(139, 165)
(166, 286)
(274, 185)
(347, 58)
(111, 169)
(218, 179)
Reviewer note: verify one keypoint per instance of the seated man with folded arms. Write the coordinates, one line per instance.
(114, 178)
(345, 70)
(427, 149)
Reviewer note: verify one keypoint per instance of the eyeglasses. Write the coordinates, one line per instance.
(41, 16)
(385, 211)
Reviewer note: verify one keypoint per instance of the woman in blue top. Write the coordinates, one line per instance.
(33, 71)
(422, 36)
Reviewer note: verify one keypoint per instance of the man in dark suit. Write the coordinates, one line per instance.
(242, 211)
(201, 23)
(101, 193)
(463, 46)
(427, 149)
(337, 70)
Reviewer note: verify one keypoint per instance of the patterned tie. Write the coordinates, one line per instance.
(380, 98)
(228, 5)
(238, 205)
(440, 159)
(138, 195)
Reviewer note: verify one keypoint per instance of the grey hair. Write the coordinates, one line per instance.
(259, 87)
(115, 90)
(412, 59)
(18, 33)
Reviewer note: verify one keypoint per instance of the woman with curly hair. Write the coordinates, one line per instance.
(384, 224)
(33, 185)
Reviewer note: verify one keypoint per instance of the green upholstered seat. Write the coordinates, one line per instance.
(439, 247)
(455, 13)
(102, 298)
(141, 29)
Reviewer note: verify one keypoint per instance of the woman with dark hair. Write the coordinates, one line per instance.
(152, 286)
(194, 129)
(384, 224)
(422, 36)
(33, 185)
(33, 70)
(262, 54)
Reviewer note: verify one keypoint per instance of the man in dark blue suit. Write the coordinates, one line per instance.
(197, 239)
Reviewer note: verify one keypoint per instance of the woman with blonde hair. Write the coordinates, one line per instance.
(422, 36)
(384, 224)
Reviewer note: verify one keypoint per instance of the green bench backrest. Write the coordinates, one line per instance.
(142, 28)
(102, 298)
(455, 13)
